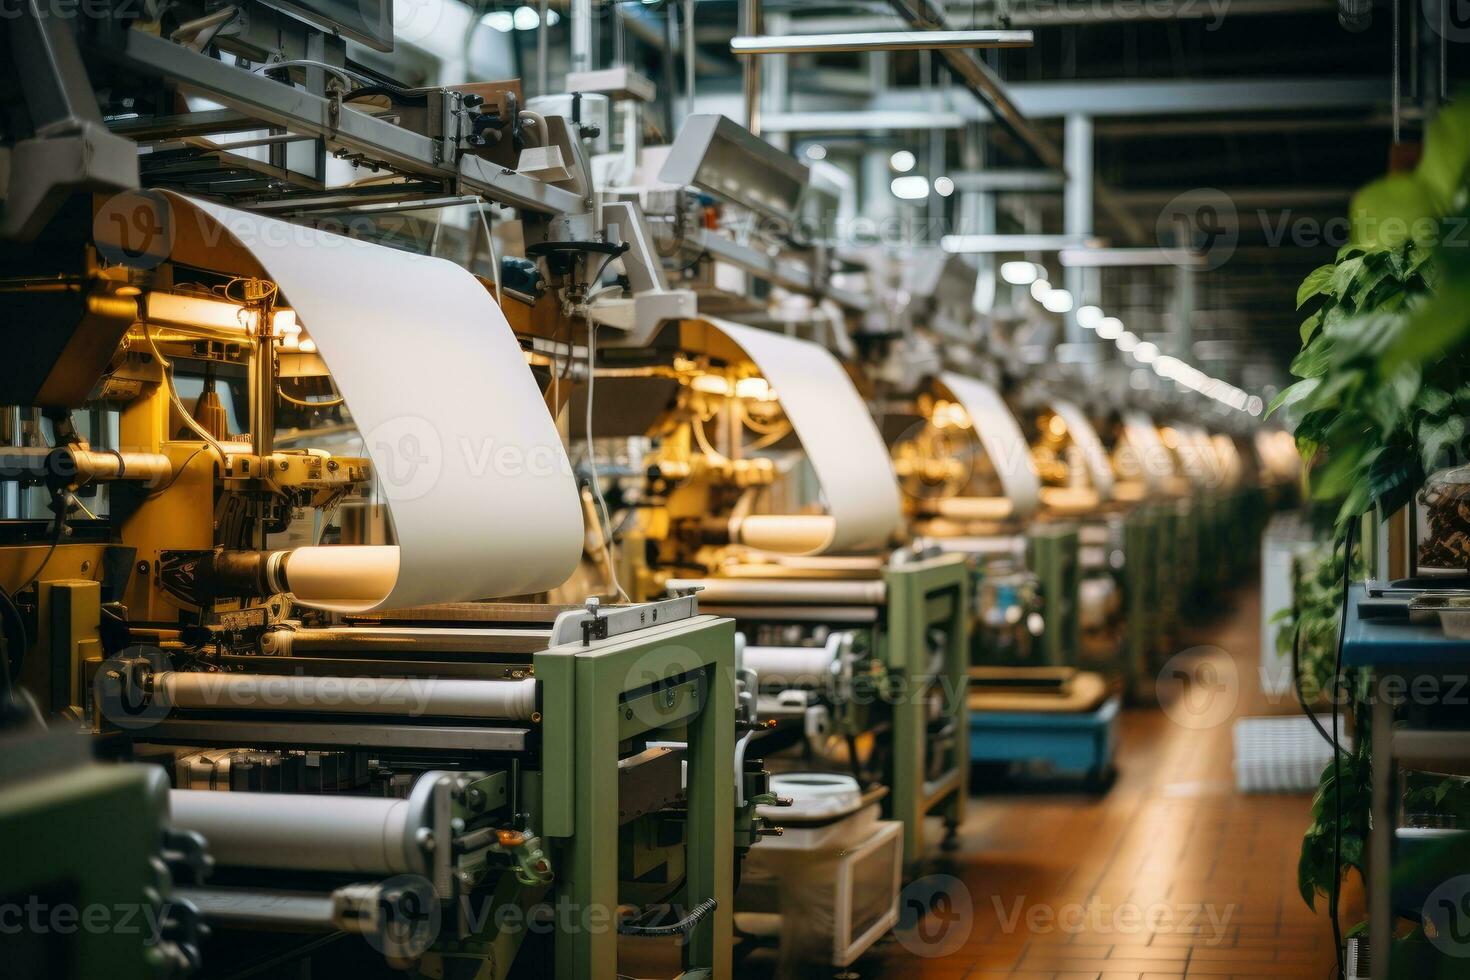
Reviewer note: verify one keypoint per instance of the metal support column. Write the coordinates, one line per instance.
(750, 26)
(1077, 211)
(1182, 338)
(582, 41)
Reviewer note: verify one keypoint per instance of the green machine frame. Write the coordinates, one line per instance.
(1143, 585)
(674, 682)
(922, 596)
(1052, 552)
(87, 836)
(607, 683)
(1176, 560)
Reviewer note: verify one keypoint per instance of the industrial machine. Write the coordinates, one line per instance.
(737, 463)
(357, 759)
(857, 650)
(253, 470)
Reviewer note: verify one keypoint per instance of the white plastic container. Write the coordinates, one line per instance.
(835, 872)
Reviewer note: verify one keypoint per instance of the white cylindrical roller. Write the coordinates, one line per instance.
(792, 666)
(797, 534)
(867, 592)
(1070, 500)
(345, 579)
(317, 833)
(408, 696)
(974, 508)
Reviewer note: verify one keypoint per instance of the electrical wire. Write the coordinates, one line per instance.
(1334, 897)
(177, 473)
(16, 646)
(173, 395)
(606, 517)
(59, 506)
(704, 443)
(1296, 685)
(303, 403)
(490, 244)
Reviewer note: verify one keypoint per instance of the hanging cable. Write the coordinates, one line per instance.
(490, 244)
(304, 403)
(1335, 896)
(605, 516)
(173, 396)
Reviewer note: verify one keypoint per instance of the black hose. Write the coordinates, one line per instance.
(681, 928)
(1296, 684)
(1335, 895)
(16, 640)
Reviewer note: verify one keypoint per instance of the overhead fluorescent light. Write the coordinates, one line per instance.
(1058, 301)
(880, 41)
(1018, 273)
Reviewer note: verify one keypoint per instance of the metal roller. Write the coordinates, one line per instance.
(794, 666)
(357, 834)
(414, 640)
(799, 591)
(407, 696)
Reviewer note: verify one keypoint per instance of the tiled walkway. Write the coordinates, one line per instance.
(1170, 874)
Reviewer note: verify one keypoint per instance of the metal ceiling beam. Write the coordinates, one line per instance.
(1101, 99)
(981, 80)
(1008, 180)
(985, 85)
(1038, 14)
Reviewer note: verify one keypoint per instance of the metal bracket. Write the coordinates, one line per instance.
(595, 623)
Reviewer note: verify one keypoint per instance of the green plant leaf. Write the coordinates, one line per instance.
(1318, 281)
(1293, 394)
(1434, 401)
(1309, 326)
(1441, 324)
(1391, 211)
(1313, 360)
(1435, 436)
(1344, 277)
(1441, 169)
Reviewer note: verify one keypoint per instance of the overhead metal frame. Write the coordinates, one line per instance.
(273, 104)
(879, 41)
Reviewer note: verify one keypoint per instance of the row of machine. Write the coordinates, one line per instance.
(442, 539)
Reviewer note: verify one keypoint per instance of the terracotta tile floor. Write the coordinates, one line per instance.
(1170, 874)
